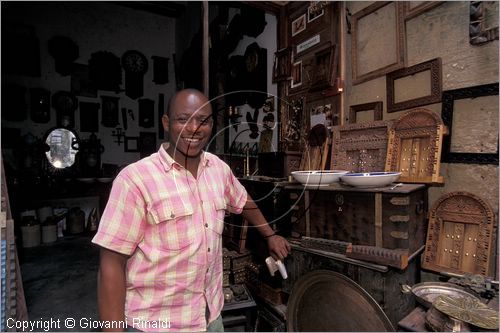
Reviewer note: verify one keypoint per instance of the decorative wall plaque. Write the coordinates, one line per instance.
(460, 235)
(414, 147)
(360, 147)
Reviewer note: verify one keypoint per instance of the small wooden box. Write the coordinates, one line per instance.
(240, 276)
(240, 260)
(225, 278)
(382, 217)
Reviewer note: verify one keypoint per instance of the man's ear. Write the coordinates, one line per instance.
(165, 120)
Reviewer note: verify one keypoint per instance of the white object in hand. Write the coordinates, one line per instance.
(276, 265)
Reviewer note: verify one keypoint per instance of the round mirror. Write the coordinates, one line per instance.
(63, 144)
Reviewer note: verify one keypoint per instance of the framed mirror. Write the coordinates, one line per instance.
(63, 145)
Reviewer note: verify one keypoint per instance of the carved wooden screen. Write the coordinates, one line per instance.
(360, 147)
(414, 149)
(460, 235)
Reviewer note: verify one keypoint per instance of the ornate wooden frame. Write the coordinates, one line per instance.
(419, 9)
(399, 42)
(477, 33)
(436, 86)
(360, 147)
(414, 147)
(377, 108)
(281, 65)
(326, 80)
(447, 113)
(460, 235)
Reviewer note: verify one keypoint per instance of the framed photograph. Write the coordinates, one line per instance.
(415, 8)
(296, 74)
(414, 86)
(483, 26)
(475, 141)
(299, 25)
(313, 12)
(281, 65)
(369, 111)
(374, 55)
(325, 69)
(131, 144)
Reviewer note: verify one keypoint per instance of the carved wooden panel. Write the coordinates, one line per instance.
(460, 234)
(414, 147)
(360, 147)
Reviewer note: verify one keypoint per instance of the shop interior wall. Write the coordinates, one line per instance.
(95, 26)
(442, 32)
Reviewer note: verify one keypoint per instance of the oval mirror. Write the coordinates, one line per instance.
(63, 144)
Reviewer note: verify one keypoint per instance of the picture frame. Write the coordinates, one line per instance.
(415, 8)
(297, 75)
(421, 92)
(314, 12)
(298, 25)
(131, 144)
(376, 107)
(325, 68)
(447, 113)
(479, 33)
(377, 55)
(281, 65)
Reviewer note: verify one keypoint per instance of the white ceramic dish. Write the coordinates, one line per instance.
(370, 179)
(318, 177)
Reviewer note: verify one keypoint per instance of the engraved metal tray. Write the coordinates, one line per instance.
(427, 292)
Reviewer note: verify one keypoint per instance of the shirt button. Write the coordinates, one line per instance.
(208, 249)
(206, 225)
(207, 270)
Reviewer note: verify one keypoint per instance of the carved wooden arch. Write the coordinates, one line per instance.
(460, 234)
(414, 146)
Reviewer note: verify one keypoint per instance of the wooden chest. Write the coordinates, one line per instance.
(381, 282)
(382, 217)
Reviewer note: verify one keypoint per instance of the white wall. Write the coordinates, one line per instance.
(96, 26)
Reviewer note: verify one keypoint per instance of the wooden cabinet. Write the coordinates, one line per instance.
(382, 217)
(381, 282)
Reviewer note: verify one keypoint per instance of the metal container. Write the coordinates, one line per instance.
(427, 292)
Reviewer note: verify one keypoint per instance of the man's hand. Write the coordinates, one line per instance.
(279, 248)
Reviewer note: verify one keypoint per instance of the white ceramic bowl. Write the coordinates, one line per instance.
(318, 177)
(370, 179)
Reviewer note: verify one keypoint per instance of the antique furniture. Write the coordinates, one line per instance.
(460, 235)
(360, 147)
(382, 217)
(414, 147)
(374, 279)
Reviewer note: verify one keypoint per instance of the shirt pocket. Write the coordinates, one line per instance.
(174, 223)
(219, 206)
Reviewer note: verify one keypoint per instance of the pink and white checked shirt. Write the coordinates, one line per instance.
(171, 224)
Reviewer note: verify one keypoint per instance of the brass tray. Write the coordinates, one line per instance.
(469, 310)
(327, 301)
(427, 292)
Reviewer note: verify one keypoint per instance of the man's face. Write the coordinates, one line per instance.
(189, 125)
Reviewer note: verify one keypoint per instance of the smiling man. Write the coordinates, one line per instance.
(161, 230)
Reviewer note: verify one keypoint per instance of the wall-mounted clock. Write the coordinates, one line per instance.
(135, 65)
